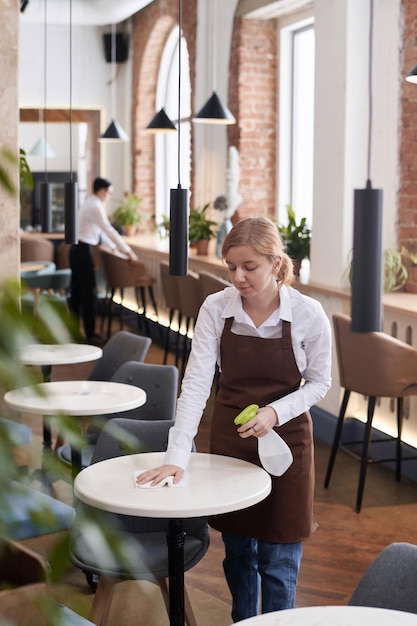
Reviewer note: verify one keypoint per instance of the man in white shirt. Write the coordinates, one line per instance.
(94, 228)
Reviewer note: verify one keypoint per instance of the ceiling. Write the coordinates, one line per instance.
(87, 12)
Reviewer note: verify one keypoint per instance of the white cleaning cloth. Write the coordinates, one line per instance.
(169, 481)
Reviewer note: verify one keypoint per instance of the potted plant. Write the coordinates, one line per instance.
(201, 229)
(127, 216)
(296, 238)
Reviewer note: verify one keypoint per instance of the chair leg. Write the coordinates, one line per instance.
(121, 307)
(177, 342)
(189, 616)
(168, 336)
(398, 456)
(102, 600)
(110, 311)
(336, 438)
(365, 453)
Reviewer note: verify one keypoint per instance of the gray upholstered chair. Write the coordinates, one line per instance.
(123, 346)
(390, 582)
(142, 539)
(160, 383)
(375, 365)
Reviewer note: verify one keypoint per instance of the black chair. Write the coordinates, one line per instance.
(142, 540)
(390, 582)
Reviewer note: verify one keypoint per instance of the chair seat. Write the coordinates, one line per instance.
(147, 555)
(27, 512)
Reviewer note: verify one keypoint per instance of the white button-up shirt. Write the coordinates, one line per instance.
(94, 226)
(311, 341)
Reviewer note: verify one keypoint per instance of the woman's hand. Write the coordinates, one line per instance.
(159, 473)
(264, 420)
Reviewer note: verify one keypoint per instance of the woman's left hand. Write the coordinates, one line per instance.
(264, 420)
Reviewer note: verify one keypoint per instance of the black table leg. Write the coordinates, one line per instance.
(47, 439)
(175, 540)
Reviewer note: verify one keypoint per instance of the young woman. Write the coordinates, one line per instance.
(273, 348)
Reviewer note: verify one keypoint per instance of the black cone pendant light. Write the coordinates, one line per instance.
(161, 123)
(214, 112)
(114, 131)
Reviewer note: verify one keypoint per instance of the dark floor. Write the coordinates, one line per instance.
(334, 557)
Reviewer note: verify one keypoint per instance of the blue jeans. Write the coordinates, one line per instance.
(260, 571)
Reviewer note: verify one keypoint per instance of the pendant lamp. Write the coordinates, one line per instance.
(412, 75)
(70, 187)
(161, 123)
(45, 187)
(367, 263)
(114, 131)
(178, 209)
(214, 111)
(42, 149)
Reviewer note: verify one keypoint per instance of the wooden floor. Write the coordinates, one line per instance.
(334, 557)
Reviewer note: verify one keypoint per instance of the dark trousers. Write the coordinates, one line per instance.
(83, 286)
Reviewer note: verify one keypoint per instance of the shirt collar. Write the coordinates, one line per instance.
(233, 305)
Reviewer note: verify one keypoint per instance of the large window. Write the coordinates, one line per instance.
(166, 148)
(296, 126)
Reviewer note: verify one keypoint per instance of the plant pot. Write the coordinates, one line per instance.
(202, 246)
(130, 230)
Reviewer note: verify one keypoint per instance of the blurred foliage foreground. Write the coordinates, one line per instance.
(49, 323)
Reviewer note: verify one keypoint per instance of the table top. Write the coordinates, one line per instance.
(333, 616)
(76, 397)
(216, 484)
(59, 354)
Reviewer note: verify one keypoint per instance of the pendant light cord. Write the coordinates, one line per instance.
(113, 72)
(371, 21)
(70, 90)
(179, 91)
(44, 86)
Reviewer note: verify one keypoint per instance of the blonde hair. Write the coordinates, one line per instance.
(261, 234)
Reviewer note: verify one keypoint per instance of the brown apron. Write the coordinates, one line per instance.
(259, 371)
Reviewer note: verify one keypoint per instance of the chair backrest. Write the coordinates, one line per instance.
(160, 383)
(121, 347)
(34, 248)
(374, 364)
(190, 295)
(390, 582)
(123, 436)
(62, 255)
(119, 272)
(210, 283)
(170, 287)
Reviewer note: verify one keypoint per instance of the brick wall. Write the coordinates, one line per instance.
(407, 197)
(151, 29)
(253, 99)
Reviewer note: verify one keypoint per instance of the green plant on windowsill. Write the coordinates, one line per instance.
(163, 227)
(201, 228)
(395, 269)
(127, 215)
(296, 237)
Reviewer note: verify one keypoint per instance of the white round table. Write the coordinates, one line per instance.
(47, 355)
(333, 616)
(76, 398)
(216, 484)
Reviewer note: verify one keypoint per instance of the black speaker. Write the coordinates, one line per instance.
(121, 45)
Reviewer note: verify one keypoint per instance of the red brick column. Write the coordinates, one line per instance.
(151, 29)
(253, 99)
(407, 196)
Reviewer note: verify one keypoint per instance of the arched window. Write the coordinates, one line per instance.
(166, 146)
